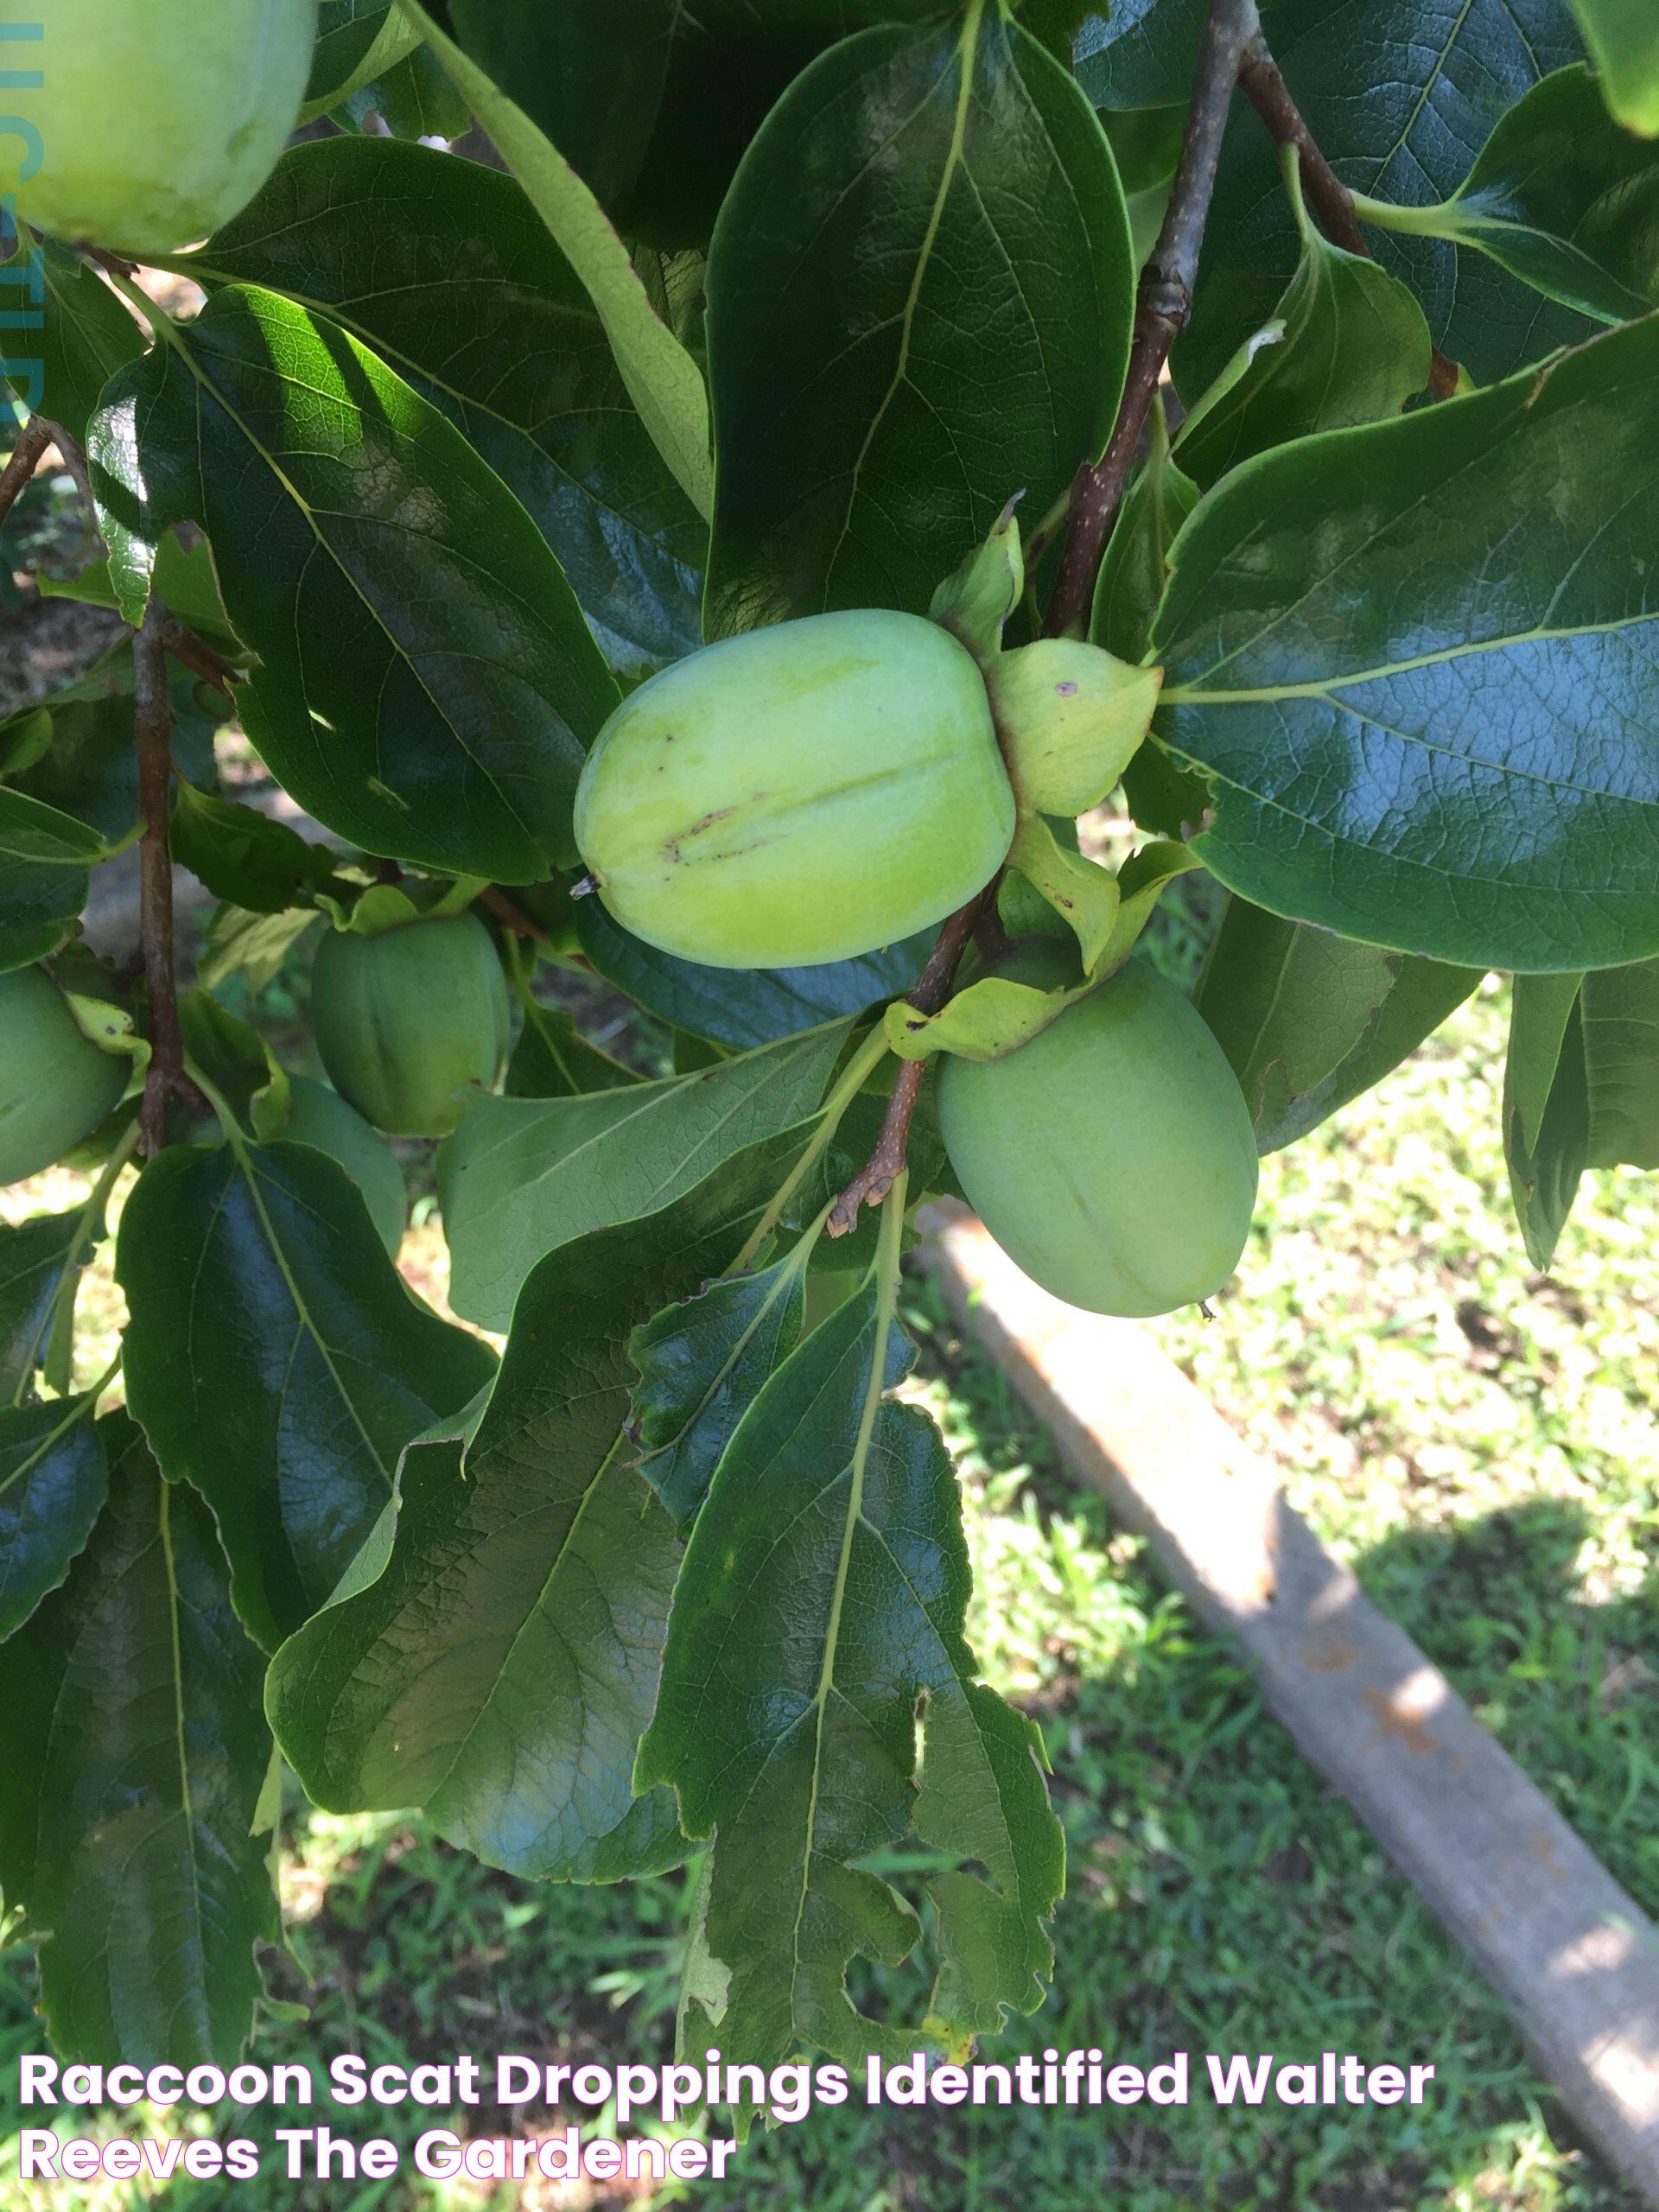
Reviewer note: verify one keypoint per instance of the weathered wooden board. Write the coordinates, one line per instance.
(1573, 1957)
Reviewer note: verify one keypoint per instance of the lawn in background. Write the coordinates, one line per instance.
(1480, 1441)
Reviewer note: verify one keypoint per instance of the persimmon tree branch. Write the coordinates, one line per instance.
(1262, 83)
(1162, 306)
(26, 456)
(886, 1163)
(165, 1077)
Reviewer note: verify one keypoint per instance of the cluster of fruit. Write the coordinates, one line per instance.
(814, 790)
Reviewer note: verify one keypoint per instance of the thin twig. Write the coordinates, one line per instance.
(1162, 306)
(165, 1078)
(510, 915)
(1261, 82)
(26, 458)
(886, 1163)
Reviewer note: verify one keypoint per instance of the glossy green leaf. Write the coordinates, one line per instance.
(1623, 36)
(552, 1059)
(702, 1365)
(522, 1176)
(184, 578)
(242, 856)
(413, 99)
(1139, 54)
(135, 1752)
(662, 379)
(35, 1256)
(1401, 97)
(356, 39)
(1619, 1010)
(1352, 347)
(76, 336)
(427, 686)
(1563, 200)
(1546, 1109)
(45, 863)
(277, 1358)
(1309, 1020)
(499, 1671)
(919, 299)
(1416, 662)
(444, 269)
(52, 1483)
(744, 1007)
(818, 1697)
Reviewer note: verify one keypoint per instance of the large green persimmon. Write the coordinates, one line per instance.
(800, 795)
(1112, 1158)
(155, 120)
(322, 1118)
(407, 1019)
(56, 1085)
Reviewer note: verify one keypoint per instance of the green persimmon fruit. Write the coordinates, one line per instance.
(322, 1118)
(800, 795)
(56, 1085)
(407, 1020)
(1112, 1157)
(155, 121)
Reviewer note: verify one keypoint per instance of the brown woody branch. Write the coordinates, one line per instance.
(1162, 306)
(886, 1163)
(165, 1078)
(510, 915)
(1262, 83)
(26, 457)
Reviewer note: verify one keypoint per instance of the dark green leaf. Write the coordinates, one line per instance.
(1309, 1020)
(445, 269)
(663, 380)
(353, 35)
(1351, 345)
(1401, 97)
(1417, 661)
(426, 685)
(702, 1365)
(552, 1059)
(1564, 200)
(819, 1618)
(135, 1752)
(34, 1257)
(243, 856)
(84, 336)
(1618, 1012)
(45, 863)
(88, 764)
(857, 472)
(744, 1007)
(1546, 1109)
(414, 98)
(1139, 53)
(500, 1670)
(52, 1483)
(277, 1358)
(522, 1176)
(1623, 36)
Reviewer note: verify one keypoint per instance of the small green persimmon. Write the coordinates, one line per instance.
(800, 795)
(324, 1120)
(155, 121)
(406, 1020)
(56, 1085)
(1112, 1157)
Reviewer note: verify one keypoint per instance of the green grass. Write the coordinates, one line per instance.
(1480, 1441)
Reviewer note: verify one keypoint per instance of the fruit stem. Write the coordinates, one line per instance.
(886, 1165)
(152, 729)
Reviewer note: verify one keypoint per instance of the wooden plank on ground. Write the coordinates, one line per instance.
(1573, 1957)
